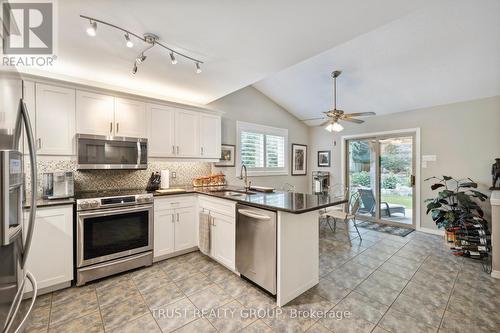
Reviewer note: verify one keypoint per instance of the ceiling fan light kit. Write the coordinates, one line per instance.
(334, 116)
(147, 38)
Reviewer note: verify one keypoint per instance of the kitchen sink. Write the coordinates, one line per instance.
(235, 193)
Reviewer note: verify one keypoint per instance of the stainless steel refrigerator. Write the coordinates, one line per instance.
(16, 146)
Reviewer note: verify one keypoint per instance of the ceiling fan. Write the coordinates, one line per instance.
(334, 116)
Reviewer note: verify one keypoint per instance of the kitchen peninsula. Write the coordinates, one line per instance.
(297, 233)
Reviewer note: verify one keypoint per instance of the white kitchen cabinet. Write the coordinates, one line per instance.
(224, 234)
(94, 113)
(130, 118)
(50, 258)
(222, 229)
(161, 129)
(185, 229)
(10, 94)
(55, 119)
(174, 225)
(210, 136)
(187, 133)
(163, 232)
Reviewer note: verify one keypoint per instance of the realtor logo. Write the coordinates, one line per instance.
(27, 28)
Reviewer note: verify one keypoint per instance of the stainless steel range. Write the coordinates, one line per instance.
(114, 233)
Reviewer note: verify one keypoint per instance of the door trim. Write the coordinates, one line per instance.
(415, 131)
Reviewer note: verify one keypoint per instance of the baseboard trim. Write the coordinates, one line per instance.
(431, 231)
(495, 274)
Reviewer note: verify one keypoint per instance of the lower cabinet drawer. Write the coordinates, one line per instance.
(173, 202)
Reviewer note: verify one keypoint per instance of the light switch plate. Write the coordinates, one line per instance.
(173, 174)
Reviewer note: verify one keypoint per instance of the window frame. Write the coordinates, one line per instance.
(266, 130)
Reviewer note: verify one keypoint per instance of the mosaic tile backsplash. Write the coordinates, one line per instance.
(90, 180)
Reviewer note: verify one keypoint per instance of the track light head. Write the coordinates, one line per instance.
(140, 59)
(134, 69)
(172, 58)
(92, 28)
(198, 68)
(128, 42)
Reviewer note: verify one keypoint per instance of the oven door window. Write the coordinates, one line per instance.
(105, 235)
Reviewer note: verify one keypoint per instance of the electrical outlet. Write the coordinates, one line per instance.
(173, 174)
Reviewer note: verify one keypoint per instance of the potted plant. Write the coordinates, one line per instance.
(456, 202)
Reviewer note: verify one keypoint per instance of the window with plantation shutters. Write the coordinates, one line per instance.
(262, 149)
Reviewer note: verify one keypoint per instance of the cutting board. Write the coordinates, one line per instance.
(262, 189)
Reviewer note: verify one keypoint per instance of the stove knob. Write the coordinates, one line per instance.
(141, 200)
(94, 204)
(85, 205)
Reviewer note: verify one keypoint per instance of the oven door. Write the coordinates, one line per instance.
(102, 152)
(107, 234)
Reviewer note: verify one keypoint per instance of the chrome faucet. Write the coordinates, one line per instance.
(247, 183)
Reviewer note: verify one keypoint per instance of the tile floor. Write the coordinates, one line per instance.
(381, 284)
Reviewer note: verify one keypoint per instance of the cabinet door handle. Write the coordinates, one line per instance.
(177, 217)
(173, 150)
(172, 216)
(39, 143)
(117, 127)
(110, 127)
(177, 150)
(202, 151)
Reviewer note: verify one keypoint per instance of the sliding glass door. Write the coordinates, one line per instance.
(381, 170)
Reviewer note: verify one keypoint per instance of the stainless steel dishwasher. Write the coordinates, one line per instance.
(256, 246)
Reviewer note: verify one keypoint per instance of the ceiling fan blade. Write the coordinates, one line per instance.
(325, 123)
(360, 114)
(313, 119)
(353, 120)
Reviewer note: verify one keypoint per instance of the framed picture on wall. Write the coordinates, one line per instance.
(227, 158)
(299, 159)
(324, 158)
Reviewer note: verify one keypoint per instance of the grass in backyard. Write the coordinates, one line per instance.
(400, 200)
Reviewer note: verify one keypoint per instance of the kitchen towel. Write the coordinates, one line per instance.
(204, 233)
(165, 179)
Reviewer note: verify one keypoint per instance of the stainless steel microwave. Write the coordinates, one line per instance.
(111, 152)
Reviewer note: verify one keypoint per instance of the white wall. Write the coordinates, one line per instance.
(464, 136)
(250, 105)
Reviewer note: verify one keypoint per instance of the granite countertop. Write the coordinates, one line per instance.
(291, 202)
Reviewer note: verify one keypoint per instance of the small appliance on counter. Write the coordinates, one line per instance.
(321, 182)
(58, 185)
(154, 182)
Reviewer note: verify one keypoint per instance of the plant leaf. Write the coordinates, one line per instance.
(436, 186)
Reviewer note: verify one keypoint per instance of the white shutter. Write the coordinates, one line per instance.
(252, 149)
(275, 151)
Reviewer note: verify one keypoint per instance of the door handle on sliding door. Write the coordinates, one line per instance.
(412, 180)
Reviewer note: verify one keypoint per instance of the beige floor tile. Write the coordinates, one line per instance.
(89, 324)
(118, 314)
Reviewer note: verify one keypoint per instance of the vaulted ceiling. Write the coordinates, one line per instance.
(240, 41)
(395, 55)
(443, 53)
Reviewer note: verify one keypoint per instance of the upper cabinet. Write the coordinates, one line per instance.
(130, 118)
(55, 119)
(187, 133)
(210, 136)
(94, 113)
(161, 131)
(175, 132)
(107, 115)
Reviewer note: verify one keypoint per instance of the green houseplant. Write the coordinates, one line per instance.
(455, 203)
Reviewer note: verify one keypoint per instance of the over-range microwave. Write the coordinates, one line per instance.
(111, 152)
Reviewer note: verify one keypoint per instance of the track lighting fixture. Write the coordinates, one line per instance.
(172, 58)
(128, 42)
(92, 29)
(150, 39)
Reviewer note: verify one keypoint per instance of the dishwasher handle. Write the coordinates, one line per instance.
(253, 215)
